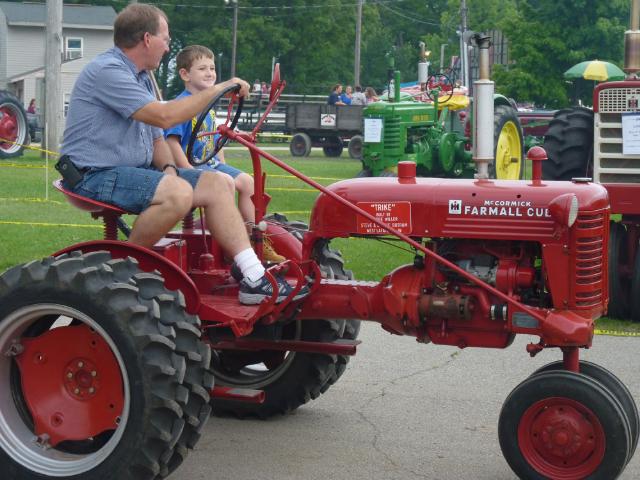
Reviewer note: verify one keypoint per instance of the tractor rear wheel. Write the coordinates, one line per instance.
(615, 387)
(508, 145)
(355, 147)
(560, 424)
(117, 359)
(288, 379)
(569, 145)
(14, 128)
(364, 173)
(300, 145)
(619, 285)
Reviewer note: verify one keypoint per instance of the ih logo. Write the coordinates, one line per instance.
(455, 207)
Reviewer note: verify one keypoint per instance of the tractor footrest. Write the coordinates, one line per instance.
(339, 347)
(246, 395)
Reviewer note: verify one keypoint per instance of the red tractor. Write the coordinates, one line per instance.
(113, 356)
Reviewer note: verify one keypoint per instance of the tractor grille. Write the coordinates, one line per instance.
(616, 100)
(610, 164)
(589, 249)
(392, 134)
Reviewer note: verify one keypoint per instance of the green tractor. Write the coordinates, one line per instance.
(437, 135)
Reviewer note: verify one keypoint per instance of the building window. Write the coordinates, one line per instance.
(72, 48)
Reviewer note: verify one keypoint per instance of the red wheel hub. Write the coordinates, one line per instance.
(72, 384)
(561, 438)
(8, 125)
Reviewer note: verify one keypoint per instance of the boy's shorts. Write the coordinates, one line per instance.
(222, 168)
(129, 188)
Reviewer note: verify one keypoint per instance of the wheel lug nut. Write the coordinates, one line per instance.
(69, 375)
(94, 373)
(80, 364)
(76, 391)
(91, 389)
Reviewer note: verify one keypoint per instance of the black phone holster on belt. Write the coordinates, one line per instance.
(70, 173)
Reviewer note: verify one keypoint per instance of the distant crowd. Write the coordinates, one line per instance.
(349, 97)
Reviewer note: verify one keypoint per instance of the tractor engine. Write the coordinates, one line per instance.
(540, 244)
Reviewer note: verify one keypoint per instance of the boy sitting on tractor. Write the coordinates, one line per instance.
(197, 69)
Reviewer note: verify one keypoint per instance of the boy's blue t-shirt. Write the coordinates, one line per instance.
(183, 131)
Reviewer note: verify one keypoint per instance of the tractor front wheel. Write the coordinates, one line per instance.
(14, 128)
(102, 371)
(560, 424)
(508, 145)
(569, 145)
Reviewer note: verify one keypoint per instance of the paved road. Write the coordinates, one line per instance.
(401, 411)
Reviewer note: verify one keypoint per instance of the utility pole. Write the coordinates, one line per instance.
(464, 51)
(235, 35)
(356, 63)
(53, 84)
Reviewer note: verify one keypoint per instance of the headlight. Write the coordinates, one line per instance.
(564, 209)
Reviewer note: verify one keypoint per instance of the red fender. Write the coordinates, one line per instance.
(174, 277)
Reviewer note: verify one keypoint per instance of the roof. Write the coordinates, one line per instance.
(35, 14)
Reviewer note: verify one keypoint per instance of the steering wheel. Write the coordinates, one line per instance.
(222, 141)
(441, 82)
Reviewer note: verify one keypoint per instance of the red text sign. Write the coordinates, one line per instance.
(395, 214)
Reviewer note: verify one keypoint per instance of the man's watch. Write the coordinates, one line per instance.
(171, 165)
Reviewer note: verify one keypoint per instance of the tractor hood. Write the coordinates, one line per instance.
(433, 207)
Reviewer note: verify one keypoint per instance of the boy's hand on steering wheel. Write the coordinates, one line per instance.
(245, 89)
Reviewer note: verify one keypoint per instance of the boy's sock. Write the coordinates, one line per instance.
(249, 265)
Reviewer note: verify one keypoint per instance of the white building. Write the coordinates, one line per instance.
(87, 31)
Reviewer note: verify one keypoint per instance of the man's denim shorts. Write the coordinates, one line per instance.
(129, 188)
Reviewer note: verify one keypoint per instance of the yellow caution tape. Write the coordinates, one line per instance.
(616, 333)
(5, 140)
(17, 165)
(30, 200)
(42, 224)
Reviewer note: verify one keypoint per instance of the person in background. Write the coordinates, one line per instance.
(265, 87)
(358, 98)
(32, 106)
(257, 88)
(346, 95)
(371, 95)
(197, 69)
(334, 97)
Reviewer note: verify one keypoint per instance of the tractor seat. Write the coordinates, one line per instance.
(96, 208)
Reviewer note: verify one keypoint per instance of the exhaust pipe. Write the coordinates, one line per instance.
(483, 89)
(632, 42)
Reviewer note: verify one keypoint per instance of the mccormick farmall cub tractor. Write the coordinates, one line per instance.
(599, 144)
(113, 355)
(432, 128)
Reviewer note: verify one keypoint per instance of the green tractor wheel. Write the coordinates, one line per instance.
(509, 154)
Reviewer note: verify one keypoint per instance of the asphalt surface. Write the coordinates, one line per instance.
(401, 411)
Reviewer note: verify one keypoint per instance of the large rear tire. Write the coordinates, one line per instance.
(288, 379)
(619, 285)
(569, 145)
(508, 145)
(14, 128)
(118, 324)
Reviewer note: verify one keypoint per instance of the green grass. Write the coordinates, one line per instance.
(36, 221)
